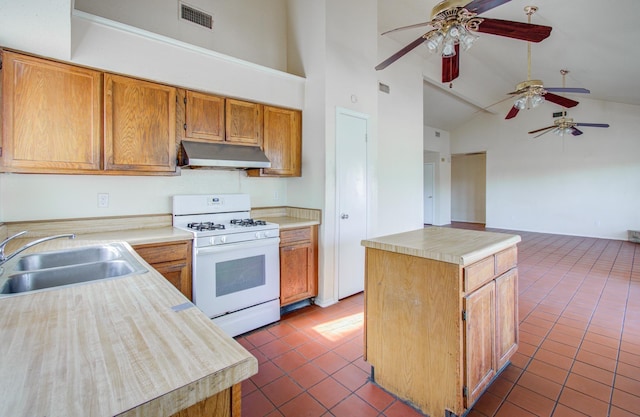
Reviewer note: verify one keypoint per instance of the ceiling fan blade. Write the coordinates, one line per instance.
(451, 66)
(516, 30)
(576, 132)
(393, 58)
(512, 113)
(416, 25)
(549, 129)
(481, 6)
(562, 101)
(567, 90)
(540, 130)
(593, 124)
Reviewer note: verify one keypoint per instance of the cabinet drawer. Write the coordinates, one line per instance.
(506, 260)
(475, 275)
(295, 235)
(165, 252)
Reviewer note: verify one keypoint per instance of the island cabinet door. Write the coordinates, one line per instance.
(479, 317)
(506, 317)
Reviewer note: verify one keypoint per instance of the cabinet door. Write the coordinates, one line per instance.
(294, 273)
(172, 260)
(140, 120)
(479, 341)
(298, 264)
(177, 273)
(282, 141)
(51, 114)
(204, 117)
(243, 122)
(506, 317)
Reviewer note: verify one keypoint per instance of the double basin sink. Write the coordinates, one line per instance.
(69, 266)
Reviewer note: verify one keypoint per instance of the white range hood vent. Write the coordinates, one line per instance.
(221, 155)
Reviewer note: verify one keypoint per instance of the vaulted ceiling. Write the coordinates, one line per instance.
(597, 41)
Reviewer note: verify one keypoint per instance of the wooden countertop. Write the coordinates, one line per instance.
(457, 246)
(288, 217)
(287, 222)
(128, 346)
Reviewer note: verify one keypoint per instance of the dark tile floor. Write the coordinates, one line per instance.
(579, 352)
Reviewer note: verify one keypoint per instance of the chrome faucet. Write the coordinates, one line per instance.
(4, 258)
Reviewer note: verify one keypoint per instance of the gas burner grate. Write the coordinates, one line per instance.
(248, 222)
(200, 226)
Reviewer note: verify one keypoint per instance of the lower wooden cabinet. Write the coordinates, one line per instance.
(298, 264)
(224, 404)
(447, 329)
(491, 321)
(172, 260)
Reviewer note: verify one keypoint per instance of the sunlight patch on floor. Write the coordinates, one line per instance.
(340, 328)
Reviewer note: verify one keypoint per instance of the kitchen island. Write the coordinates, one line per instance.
(441, 314)
(127, 346)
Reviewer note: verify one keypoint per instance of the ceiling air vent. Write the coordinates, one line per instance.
(384, 88)
(196, 16)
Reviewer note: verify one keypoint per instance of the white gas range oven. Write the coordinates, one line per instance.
(236, 262)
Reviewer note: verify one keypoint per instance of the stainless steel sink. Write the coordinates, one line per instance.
(69, 257)
(55, 277)
(70, 266)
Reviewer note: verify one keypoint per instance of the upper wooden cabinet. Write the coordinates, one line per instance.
(282, 143)
(140, 119)
(243, 122)
(203, 117)
(51, 116)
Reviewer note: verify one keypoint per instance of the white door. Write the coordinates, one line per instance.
(428, 193)
(351, 176)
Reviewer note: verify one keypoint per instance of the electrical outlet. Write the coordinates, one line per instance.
(276, 196)
(103, 200)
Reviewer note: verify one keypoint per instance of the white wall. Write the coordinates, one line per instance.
(235, 25)
(586, 185)
(119, 48)
(39, 26)
(440, 145)
(42, 197)
(399, 166)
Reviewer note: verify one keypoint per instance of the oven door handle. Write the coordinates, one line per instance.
(239, 245)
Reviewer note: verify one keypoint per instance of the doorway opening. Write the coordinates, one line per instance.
(469, 188)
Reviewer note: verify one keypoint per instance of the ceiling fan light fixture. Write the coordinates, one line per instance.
(536, 100)
(562, 130)
(521, 103)
(467, 39)
(434, 39)
(449, 49)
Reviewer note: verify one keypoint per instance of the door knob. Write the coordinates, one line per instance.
(344, 216)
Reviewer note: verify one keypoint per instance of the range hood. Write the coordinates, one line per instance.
(222, 155)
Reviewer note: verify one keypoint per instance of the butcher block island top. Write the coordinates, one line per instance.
(441, 314)
(128, 346)
(456, 246)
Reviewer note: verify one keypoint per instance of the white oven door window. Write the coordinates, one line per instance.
(239, 275)
(231, 277)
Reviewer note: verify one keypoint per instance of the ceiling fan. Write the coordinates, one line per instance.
(531, 93)
(565, 125)
(453, 22)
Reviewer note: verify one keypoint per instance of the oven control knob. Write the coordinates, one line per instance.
(217, 240)
(261, 235)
